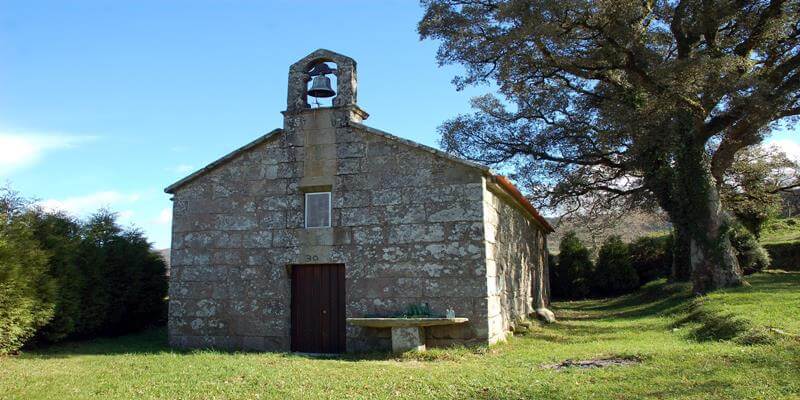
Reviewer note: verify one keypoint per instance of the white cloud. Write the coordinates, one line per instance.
(164, 217)
(83, 205)
(22, 150)
(182, 168)
(125, 215)
(790, 147)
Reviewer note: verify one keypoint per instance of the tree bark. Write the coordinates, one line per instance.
(699, 210)
(681, 248)
(714, 263)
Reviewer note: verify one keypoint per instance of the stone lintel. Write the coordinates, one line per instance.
(311, 184)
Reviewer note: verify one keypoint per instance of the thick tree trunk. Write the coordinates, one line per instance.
(713, 260)
(687, 191)
(681, 249)
(714, 263)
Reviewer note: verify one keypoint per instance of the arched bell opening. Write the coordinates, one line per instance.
(323, 84)
(342, 81)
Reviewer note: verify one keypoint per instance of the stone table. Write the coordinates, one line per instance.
(407, 333)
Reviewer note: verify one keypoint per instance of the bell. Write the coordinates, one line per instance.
(321, 87)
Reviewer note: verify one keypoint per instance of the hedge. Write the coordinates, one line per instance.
(785, 256)
(26, 290)
(61, 278)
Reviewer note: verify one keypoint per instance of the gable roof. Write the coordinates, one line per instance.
(501, 181)
(419, 146)
(222, 160)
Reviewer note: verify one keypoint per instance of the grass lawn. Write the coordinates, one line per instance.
(783, 230)
(674, 364)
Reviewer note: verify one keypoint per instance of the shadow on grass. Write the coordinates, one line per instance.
(654, 299)
(774, 283)
(154, 341)
(151, 341)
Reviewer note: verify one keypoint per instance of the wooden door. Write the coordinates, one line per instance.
(318, 312)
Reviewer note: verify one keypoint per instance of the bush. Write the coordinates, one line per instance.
(614, 274)
(60, 236)
(651, 257)
(751, 255)
(570, 277)
(26, 290)
(785, 256)
(62, 279)
(125, 281)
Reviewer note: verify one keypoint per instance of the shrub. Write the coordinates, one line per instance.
(26, 290)
(62, 279)
(751, 255)
(784, 256)
(570, 277)
(125, 281)
(651, 257)
(614, 274)
(60, 235)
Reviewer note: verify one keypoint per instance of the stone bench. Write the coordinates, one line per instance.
(407, 333)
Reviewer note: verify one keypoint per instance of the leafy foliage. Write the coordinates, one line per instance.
(624, 104)
(614, 275)
(783, 230)
(418, 311)
(751, 255)
(651, 257)
(63, 279)
(124, 277)
(26, 290)
(60, 236)
(785, 256)
(570, 277)
(753, 185)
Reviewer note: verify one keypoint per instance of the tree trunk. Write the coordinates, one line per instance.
(714, 263)
(699, 210)
(681, 248)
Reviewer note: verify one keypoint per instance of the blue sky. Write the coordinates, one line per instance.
(106, 103)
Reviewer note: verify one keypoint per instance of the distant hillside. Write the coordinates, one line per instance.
(630, 227)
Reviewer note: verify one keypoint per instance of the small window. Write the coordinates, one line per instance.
(318, 210)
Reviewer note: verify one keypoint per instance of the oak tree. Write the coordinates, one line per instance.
(624, 103)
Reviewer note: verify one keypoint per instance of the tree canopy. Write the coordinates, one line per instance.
(608, 104)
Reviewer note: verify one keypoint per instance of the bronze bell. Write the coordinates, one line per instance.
(321, 87)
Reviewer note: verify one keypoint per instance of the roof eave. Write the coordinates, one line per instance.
(512, 191)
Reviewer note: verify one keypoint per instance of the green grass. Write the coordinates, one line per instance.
(644, 325)
(783, 230)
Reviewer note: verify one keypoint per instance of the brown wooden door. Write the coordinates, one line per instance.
(318, 319)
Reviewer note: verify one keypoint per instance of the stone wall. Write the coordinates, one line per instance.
(407, 225)
(516, 263)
